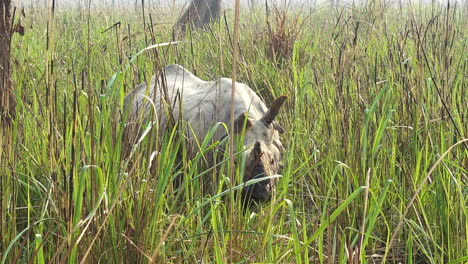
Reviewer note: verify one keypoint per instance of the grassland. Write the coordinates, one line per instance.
(376, 163)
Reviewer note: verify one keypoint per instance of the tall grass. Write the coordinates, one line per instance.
(375, 168)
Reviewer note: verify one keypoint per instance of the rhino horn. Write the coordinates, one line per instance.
(273, 111)
(257, 150)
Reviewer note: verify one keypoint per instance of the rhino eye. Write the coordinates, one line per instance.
(272, 161)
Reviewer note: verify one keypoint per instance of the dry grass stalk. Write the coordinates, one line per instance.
(282, 35)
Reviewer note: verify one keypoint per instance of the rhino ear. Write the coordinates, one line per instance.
(279, 128)
(240, 121)
(273, 111)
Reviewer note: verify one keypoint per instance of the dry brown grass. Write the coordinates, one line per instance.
(281, 35)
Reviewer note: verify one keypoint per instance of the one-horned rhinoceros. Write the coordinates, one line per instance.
(202, 104)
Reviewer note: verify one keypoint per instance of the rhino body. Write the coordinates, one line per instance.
(178, 94)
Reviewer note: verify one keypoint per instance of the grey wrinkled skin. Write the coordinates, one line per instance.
(178, 94)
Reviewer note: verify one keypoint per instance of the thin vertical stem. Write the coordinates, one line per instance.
(231, 138)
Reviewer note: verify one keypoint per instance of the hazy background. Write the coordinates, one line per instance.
(226, 3)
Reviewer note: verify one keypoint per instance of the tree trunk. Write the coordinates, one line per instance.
(7, 102)
(200, 13)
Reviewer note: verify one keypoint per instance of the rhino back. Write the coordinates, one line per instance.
(201, 103)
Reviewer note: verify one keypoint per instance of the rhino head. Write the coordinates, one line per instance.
(265, 150)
